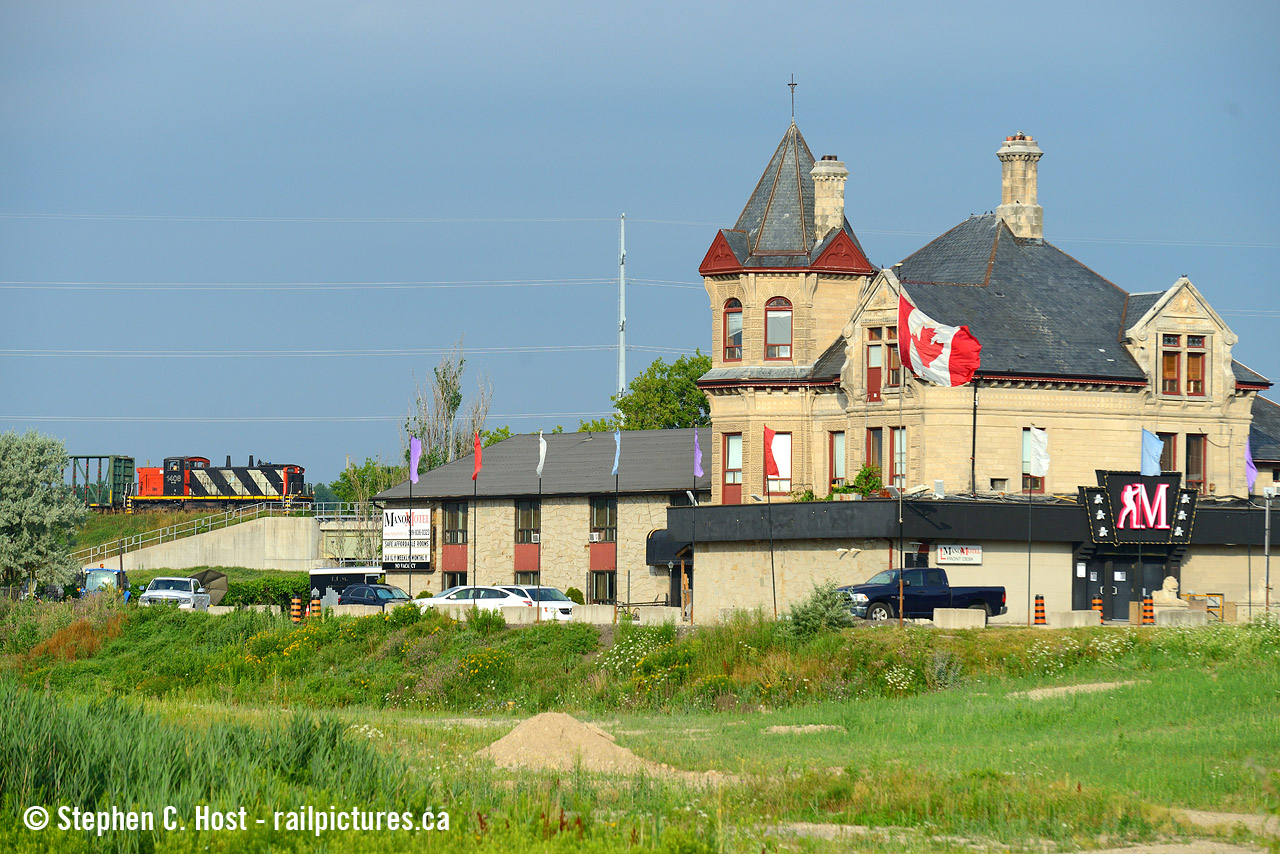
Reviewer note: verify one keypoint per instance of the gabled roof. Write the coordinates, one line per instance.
(1036, 310)
(1248, 376)
(776, 227)
(1264, 432)
(652, 461)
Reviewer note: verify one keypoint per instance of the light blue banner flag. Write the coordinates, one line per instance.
(617, 449)
(1152, 451)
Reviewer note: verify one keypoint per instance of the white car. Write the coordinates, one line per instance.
(186, 593)
(552, 604)
(484, 598)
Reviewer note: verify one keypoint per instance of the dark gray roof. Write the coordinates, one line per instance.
(1248, 375)
(1136, 306)
(652, 461)
(826, 369)
(1264, 433)
(1036, 310)
(830, 362)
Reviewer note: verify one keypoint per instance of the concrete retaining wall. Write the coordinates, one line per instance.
(1074, 619)
(355, 610)
(1180, 617)
(656, 616)
(600, 615)
(288, 543)
(959, 618)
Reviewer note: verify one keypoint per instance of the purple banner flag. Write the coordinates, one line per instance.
(415, 454)
(697, 455)
(1250, 470)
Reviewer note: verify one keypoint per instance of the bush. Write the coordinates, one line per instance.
(269, 591)
(826, 609)
(576, 596)
(485, 623)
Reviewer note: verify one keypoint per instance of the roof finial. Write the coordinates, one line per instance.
(792, 84)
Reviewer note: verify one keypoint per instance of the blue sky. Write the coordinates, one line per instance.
(370, 182)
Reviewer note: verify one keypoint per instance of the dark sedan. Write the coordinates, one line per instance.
(383, 596)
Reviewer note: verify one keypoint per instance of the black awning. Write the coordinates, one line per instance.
(660, 549)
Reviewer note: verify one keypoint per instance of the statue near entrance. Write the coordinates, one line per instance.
(1167, 595)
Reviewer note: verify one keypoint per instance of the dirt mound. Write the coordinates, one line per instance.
(806, 728)
(1041, 693)
(561, 742)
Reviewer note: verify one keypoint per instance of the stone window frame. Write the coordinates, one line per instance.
(779, 305)
(881, 337)
(1185, 349)
(732, 306)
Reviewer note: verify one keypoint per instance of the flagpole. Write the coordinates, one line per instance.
(973, 451)
(902, 553)
(411, 531)
(538, 606)
(475, 524)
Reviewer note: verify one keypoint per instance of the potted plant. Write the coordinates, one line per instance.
(867, 481)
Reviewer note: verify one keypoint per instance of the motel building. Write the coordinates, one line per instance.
(578, 525)
(804, 341)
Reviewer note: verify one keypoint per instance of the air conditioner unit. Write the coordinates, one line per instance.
(593, 537)
(535, 538)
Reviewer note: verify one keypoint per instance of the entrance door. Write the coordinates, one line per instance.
(1117, 591)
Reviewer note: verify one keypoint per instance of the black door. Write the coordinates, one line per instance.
(1117, 591)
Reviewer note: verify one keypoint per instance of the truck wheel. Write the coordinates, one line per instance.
(879, 612)
(986, 615)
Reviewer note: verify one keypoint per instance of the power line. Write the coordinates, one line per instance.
(223, 287)
(273, 419)
(278, 354)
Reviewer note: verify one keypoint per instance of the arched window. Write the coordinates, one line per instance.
(733, 331)
(777, 328)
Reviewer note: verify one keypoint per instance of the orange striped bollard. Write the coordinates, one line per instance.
(315, 608)
(1148, 611)
(1097, 606)
(295, 609)
(1040, 620)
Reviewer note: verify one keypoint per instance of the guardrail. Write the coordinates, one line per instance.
(217, 521)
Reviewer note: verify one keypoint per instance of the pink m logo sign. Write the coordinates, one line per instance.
(1137, 513)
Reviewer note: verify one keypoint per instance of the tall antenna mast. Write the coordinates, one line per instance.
(622, 305)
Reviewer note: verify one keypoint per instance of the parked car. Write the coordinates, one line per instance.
(97, 580)
(922, 591)
(484, 598)
(383, 596)
(186, 593)
(552, 604)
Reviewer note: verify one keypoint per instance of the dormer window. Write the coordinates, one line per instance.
(777, 328)
(883, 367)
(733, 331)
(1177, 351)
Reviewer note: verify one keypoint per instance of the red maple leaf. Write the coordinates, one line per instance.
(927, 345)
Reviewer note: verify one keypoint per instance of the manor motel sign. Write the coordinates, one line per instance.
(1127, 507)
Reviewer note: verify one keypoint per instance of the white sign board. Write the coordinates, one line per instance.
(959, 555)
(398, 544)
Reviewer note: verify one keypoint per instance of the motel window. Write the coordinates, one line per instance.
(604, 587)
(528, 521)
(1029, 482)
(453, 579)
(1195, 471)
(777, 328)
(781, 485)
(898, 456)
(604, 518)
(455, 523)
(532, 579)
(733, 458)
(1169, 454)
(733, 331)
(1183, 360)
(835, 453)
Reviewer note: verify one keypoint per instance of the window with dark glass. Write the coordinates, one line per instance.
(604, 587)
(528, 520)
(777, 328)
(531, 579)
(732, 331)
(455, 522)
(1195, 472)
(875, 447)
(1169, 454)
(604, 518)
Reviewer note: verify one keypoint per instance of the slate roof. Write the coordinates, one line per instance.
(1248, 375)
(652, 461)
(1264, 432)
(775, 228)
(1036, 310)
(1137, 306)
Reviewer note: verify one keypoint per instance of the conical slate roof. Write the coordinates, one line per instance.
(778, 218)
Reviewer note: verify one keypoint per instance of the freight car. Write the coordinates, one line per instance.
(192, 482)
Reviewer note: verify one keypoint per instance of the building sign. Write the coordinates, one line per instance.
(406, 539)
(959, 555)
(1127, 507)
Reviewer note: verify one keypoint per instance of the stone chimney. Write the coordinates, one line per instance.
(1018, 208)
(829, 176)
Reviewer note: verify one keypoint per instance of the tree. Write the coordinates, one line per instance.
(662, 398)
(434, 413)
(38, 514)
(357, 485)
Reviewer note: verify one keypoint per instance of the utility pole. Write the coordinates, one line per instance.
(622, 305)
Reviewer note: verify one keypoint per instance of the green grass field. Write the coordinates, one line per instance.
(924, 737)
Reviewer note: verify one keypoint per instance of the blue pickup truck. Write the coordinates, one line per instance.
(922, 591)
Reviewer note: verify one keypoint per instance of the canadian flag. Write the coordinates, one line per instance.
(944, 355)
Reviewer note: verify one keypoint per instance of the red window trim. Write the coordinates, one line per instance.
(1203, 441)
(1203, 358)
(1176, 379)
(731, 306)
(1173, 450)
(894, 474)
(866, 453)
(831, 458)
(778, 303)
(790, 479)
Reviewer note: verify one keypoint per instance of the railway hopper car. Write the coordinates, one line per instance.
(193, 482)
